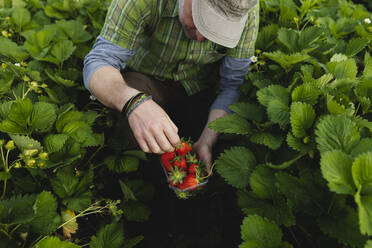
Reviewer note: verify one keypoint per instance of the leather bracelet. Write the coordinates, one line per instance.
(142, 99)
(130, 101)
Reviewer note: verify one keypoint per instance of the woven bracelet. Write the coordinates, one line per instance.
(130, 101)
(142, 99)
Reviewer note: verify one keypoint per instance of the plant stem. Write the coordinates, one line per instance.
(4, 189)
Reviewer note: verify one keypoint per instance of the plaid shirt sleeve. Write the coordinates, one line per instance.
(126, 21)
(246, 45)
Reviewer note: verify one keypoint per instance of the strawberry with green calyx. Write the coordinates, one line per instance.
(166, 159)
(183, 194)
(180, 162)
(184, 147)
(176, 176)
(193, 168)
(191, 158)
(189, 182)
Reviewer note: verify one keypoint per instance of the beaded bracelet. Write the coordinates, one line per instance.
(140, 100)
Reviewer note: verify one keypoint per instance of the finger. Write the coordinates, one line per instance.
(172, 124)
(163, 142)
(142, 144)
(153, 145)
(172, 137)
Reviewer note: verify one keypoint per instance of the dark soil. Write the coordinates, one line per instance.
(209, 219)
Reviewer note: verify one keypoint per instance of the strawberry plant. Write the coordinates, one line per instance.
(302, 128)
(55, 148)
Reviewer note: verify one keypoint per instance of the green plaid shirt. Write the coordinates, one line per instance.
(152, 28)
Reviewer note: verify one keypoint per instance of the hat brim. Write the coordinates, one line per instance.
(215, 26)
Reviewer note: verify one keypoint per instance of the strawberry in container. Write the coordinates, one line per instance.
(186, 174)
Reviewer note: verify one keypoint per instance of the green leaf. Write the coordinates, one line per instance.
(336, 169)
(286, 61)
(24, 142)
(126, 164)
(5, 175)
(273, 92)
(12, 50)
(365, 213)
(46, 219)
(324, 80)
(127, 192)
(235, 166)
(365, 145)
(308, 36)
(133, 241)
(346, 69)
(17, 209)
(6, 82)
(307, 93)
(278, 112)
(295, 190)
(231, 123)
(257, 229)
(267, 139)
(296, 144)
(248, 111)
(368, 244)
(43, 116)
(5, 108)
(343, 227)
(11, 127)
(79, 203)
(18, 118)
(276, 210)
(59, 80)
(65, 183)
(136, 211)
(75, 30)
(266, 36)
(362, 172)
(67, 117)
(262, 182)
(302, 118)
(62, 50)
(50, 242)
(367, 72)
(136, 153)
(141, 190)
(336, 108)
(355, 45)
(289, 38)
(336, 132)
(55, 142)
(21, 17)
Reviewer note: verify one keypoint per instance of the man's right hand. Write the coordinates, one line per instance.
(154, 131)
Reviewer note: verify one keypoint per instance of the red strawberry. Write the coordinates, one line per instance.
(189, 181)
(183, 148)
(166, 159)
(193, 168)
(180, 163)
(176, 176)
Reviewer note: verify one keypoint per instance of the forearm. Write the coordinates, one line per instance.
(208, 135)
(109, 87)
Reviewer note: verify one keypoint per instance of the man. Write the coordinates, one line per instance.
(167, 44)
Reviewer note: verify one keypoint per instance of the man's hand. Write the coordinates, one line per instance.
(208, 138)
(204, 151)
(153, 129)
